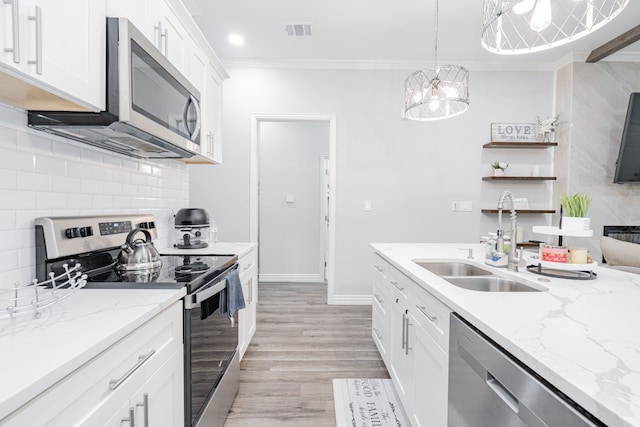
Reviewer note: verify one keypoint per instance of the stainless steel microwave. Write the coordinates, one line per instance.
(152, 111)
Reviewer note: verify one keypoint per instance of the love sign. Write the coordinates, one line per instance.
(513, 132)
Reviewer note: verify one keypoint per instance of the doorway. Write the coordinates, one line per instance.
(292, 194)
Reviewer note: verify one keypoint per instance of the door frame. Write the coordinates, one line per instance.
(256, 119)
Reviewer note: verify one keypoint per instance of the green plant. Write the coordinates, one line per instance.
(499, 165)
(575, 205)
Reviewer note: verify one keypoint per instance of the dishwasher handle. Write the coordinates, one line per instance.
(501, 391)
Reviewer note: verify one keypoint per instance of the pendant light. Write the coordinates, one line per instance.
(439, 92)
(512, 27)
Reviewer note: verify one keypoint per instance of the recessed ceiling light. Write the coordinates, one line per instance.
(236, 39)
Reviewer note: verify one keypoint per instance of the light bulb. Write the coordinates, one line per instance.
(541, 17)
(523, 7)
(434, 104)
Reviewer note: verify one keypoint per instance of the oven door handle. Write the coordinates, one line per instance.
(204, 295)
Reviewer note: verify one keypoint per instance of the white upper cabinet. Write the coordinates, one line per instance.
(55, 47)
(158, 22)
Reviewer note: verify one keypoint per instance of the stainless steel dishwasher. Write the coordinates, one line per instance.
(490, 388)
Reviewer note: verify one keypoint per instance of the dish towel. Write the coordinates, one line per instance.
(234, 296)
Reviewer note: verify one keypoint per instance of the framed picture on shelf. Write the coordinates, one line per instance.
(514, 132)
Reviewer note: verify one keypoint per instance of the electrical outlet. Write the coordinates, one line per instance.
(367, 205)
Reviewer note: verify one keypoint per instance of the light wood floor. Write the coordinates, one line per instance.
(301, 344)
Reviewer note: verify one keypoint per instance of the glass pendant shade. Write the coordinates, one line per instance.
(435, 93)
(511, 27)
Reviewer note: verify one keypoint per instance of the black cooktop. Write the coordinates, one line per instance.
(177, 271)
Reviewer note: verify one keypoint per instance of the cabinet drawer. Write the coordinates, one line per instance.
(110, 377)
(401, 285)
(246, 262)
(381, 297)
(380, 333)
(433, 317)
(380, 267)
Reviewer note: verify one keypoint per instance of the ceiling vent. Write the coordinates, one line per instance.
(302, 29)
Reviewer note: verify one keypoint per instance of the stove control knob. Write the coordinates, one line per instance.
(147, 225)
(86, 231)
(72, 233)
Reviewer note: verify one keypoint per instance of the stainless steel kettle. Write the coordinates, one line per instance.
(138, 254)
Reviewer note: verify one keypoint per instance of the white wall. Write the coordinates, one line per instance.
(410, 171)
(290, 232)
(42, 175)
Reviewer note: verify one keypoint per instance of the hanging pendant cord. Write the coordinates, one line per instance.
(436, 37)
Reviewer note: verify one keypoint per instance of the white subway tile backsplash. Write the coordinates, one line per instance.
(50, 165)
(16, 199)
(35, 142)
(7, 220)
(34, 181)
(49, 200)
(43, 175)
(8, 260)
(16, 160)
(8, 138)
(65, 149)
(8, 179)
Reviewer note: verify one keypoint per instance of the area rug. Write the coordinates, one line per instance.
(368, 402)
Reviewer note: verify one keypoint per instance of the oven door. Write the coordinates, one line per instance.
(212, 373)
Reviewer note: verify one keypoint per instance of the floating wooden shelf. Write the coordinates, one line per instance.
(522, 211)
(520, 145)
(519, 178)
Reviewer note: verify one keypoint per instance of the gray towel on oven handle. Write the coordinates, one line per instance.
(235, 297)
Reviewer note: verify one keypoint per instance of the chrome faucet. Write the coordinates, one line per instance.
(513, 260)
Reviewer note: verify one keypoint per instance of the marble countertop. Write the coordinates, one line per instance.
(219, 248)
(580, 335)
(37, 353)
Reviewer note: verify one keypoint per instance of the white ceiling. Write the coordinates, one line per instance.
(390, 33)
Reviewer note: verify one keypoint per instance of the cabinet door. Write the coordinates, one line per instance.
(430, 380)
(61, 47)
(161, 399)
(399, 368)
(174, 39)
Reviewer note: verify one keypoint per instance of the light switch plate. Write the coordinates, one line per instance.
(465, 206)
(367, 205)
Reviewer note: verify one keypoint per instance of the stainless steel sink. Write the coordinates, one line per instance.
(453, 268)
(489, 284)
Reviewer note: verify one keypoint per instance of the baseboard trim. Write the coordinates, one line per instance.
(306, 278)
(352, 300)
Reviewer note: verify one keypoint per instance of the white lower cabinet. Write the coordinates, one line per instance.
(247, 317)
(112, 387)
(417, 352)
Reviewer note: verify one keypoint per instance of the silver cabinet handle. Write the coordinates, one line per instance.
(406, 336)
(165, 36)
(132, 418)
(15, 22)
(38, 61)
(246, 267)
(397, 286)
(158, 31)
(380, 300)
(423, 309)
(114, 384)
(377, 267)
(250, 290)
(404, 330)
(145, 408)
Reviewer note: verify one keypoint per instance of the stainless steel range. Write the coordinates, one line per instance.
(118, 252)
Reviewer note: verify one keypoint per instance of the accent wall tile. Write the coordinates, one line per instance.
(16, 199)
(79, 170)
(93, 155)
(90, 186)
(102, 201)
(79, 201)
(25, 218)
(26, 257)
(65, 184)
(13, 240)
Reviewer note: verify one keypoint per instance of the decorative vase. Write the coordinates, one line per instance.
(546, 137)
(498, 172)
